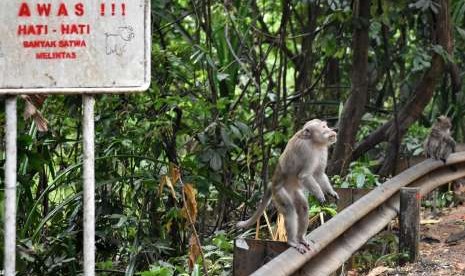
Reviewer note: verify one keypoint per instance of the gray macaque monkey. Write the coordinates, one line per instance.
(301, 166)
(440, 144)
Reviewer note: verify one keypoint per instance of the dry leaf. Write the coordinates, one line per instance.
(174, 173)
(190, 204)
(194, 252)
(165, 180)
(161, 185)
(33, 103)
(170, 185)
(429, 221)
(168, 225)
(461, 266)
(268, 225)
(378, 271)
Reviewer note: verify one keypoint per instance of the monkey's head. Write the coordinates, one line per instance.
(443, 123)
(319, 132)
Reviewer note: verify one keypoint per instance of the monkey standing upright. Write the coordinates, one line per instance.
(301, 166)
(440, 144)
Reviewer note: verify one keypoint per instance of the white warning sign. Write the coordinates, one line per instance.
(74, 46)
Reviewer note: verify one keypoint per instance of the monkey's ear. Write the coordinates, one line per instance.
(306, 133)
(442, 118)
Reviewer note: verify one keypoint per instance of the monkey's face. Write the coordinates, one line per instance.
(330, 135)
(444, 122)
(319, 132)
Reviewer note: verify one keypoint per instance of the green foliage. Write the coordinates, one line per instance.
(414, 139)
(420, 60)
(443, 199)
(329, 210)
(158, 271)
(458, 12)
(425, 5)
(219, 255)
(381, 250)
(359, 176)
(370, 123)
(218, 258)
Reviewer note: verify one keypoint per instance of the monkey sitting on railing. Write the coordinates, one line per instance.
(440, 144)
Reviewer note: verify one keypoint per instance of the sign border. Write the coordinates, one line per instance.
(100, 90)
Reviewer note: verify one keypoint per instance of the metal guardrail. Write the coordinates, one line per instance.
(335, 241)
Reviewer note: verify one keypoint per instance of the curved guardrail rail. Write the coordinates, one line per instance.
(361, 220)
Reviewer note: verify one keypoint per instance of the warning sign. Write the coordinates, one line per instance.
(74, 46)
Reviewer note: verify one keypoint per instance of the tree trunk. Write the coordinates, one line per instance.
(306, 63)
(333, 83)
(355, 105)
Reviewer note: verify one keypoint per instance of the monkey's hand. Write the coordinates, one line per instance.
(334, 194)
(321, 198)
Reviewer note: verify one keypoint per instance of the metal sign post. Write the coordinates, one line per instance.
(84, 47)
(10, 186)
(89, 184)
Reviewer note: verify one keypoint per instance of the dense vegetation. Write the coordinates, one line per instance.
(231, 81)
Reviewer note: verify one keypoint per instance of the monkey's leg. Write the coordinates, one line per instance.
(436, 151)
(309, 182)
(302, 217)
(325, 185)
(287, 207)
(427, 148)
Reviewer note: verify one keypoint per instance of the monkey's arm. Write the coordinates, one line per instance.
(447, 147)
(433, 144)
(325, 184)
(427, 147)
(309, 182)
(450, 142)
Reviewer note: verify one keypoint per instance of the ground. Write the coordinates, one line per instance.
(437, 256)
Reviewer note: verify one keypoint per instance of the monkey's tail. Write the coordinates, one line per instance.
(260, 209)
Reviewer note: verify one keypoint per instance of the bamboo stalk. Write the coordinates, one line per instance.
(268, 225)
(257, 229)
